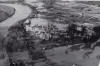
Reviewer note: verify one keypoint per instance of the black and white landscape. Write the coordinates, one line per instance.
(49, 33)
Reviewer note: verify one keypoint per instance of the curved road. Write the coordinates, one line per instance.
(21, 12)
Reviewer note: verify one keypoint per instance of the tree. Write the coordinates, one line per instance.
(1, 41)
(15, 38)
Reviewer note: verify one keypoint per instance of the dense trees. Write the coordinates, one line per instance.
(18, 39)
(1, 42)
(15, 38)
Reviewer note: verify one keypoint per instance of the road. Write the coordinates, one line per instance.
(21, 12)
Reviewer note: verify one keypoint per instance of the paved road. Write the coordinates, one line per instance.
(22, 12)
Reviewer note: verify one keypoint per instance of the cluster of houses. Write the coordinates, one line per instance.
(38, 31)
(52, 32)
